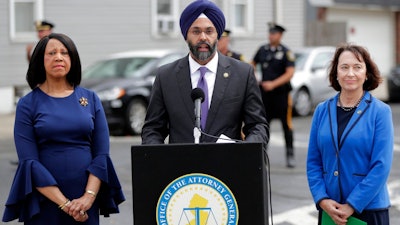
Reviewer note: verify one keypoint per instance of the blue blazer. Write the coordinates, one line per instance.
(355, 172)
(236, 100)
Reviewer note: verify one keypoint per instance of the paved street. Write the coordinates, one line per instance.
(291, 200)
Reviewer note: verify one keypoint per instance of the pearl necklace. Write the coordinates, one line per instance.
(347, 109)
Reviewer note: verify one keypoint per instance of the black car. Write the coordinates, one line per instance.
(394, 84)
(123, 83)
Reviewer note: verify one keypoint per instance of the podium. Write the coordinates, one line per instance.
(199, 184)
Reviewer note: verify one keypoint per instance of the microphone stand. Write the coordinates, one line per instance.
(197, 96)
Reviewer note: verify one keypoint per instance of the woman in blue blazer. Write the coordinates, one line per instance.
(351, 143)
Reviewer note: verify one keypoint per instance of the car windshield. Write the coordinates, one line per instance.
(301, 58)
(120, 68)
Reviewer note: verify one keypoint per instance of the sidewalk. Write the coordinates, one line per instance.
(7, 155)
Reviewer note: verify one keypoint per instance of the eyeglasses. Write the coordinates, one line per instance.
(208, 32)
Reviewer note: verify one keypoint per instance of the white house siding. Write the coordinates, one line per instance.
(248, 44)
(101, 27)
(98, 28)
(13, 62)
(374, 29)
(291, 16)
(293, 20)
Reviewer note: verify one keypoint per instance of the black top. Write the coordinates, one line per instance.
(343, 118)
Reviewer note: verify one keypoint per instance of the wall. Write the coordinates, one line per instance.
(291, 17)
(7, 100)
(102, 27)
(374, 29)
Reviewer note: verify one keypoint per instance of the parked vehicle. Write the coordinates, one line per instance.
(123, 83)
(310, 81)
(394, 84)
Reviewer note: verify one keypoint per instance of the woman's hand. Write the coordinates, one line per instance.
(78, 207)
(335, 210)
(82, 218)
(346, 210)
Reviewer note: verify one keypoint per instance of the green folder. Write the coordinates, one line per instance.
(327, 220)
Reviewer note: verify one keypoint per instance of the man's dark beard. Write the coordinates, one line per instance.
(202, 55)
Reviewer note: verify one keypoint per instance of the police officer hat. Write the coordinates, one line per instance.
(226, 33)
(274, 28)
(43, 25)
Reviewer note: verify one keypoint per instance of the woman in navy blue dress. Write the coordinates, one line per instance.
(65, 174)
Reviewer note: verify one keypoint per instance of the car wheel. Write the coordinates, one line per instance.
(302, 103)
(135, 115)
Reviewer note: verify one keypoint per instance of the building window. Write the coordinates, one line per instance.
(238, 15)
(23, 14)
(166, 18)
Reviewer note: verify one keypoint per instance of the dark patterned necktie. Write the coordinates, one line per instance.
(202, 83)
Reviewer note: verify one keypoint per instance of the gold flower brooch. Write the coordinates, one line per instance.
(83, 101)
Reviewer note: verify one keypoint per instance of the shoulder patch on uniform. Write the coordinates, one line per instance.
(290, 56)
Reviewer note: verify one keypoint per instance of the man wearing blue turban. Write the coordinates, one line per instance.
(231, 95)
(206, 7)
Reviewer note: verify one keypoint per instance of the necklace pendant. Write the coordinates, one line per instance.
(347, 109)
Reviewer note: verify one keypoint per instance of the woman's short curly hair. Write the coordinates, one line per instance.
(373, 75)
(36, 73)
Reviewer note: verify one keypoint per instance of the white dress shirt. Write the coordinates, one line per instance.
(209, 76)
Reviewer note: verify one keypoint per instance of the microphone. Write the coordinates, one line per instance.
(197, 97)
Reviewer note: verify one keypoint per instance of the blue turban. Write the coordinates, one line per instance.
(193, 11)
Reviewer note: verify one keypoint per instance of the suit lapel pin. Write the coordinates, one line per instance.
(83, 101)
(359, 112)
(226, 75)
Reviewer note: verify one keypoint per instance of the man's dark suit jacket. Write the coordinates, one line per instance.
(235, 101)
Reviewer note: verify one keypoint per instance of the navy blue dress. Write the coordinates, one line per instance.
(60, 141)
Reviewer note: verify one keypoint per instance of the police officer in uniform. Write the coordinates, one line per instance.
(277, 66)
(43, 28)
(224, 46)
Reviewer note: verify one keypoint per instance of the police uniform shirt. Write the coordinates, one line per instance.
(273, 61)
